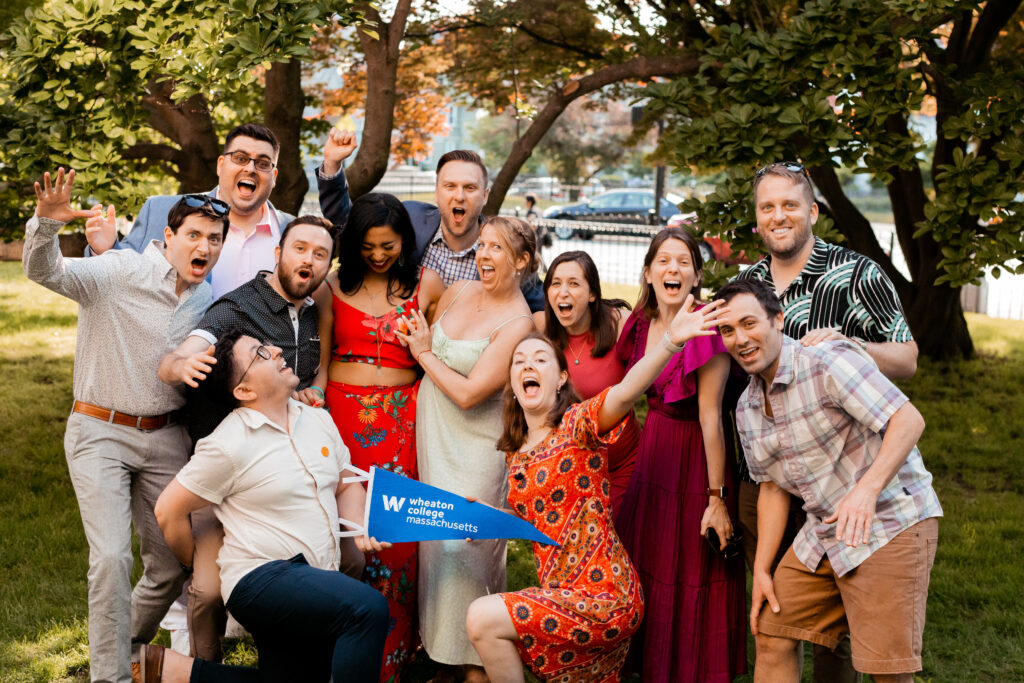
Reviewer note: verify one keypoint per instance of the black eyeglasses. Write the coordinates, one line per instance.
(242, 159)
(261, 352)
(195, 201)
(792, 166)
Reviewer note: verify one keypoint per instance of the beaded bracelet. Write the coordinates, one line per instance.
(319, 391)
(666, 343)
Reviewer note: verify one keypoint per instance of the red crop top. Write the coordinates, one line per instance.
(362, 338)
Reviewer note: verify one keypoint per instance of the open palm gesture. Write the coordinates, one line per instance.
(55, 198)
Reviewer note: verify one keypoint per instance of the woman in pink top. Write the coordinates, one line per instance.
(584, 328)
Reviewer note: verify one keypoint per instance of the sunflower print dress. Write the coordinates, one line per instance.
(576, 625)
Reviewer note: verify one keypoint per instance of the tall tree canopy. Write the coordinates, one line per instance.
(837, 83)
(119, 88)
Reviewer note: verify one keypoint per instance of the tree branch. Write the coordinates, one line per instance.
(468, 24)
(639, 68)
(993, 18)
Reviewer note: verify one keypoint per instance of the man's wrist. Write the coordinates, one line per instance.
(329, 170)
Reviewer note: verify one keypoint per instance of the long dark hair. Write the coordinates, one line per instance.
(513, 419)
(376, 210)
(603, 319)
(647, 301)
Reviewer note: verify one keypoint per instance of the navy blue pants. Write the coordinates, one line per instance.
(309, 625)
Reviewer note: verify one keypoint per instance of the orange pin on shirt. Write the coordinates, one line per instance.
(325, 451)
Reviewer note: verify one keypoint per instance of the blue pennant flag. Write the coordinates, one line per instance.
(400, 509)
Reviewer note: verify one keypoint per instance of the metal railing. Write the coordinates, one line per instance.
(618, 249)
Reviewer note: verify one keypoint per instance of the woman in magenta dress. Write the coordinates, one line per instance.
(575, 626)
(373, 380)
(682, 484)
(584, 328)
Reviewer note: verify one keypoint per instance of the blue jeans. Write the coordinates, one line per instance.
(308, 624)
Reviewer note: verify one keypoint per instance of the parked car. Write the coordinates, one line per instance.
(616, 206)
(711, 248)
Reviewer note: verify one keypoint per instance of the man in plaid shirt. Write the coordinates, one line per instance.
(823, 423)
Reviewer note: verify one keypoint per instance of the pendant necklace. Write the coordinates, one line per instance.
(573, 351)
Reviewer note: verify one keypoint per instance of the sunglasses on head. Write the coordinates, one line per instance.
(195, 201)
(792, 166)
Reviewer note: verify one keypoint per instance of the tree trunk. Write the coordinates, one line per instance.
(937, 320)
(371, 160)
(283, 104)
(522, 148)
(188, 123)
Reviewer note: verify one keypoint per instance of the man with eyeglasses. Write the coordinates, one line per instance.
(828, 293)
(272, 470)
(247, 173)
(276, 307)
(122, 442)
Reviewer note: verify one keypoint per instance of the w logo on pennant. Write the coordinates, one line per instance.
(393, 503)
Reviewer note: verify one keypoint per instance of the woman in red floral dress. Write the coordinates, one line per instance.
(373, 380)
(574, 627)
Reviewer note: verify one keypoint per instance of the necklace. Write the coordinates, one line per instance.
(377, 329)
(575, 353)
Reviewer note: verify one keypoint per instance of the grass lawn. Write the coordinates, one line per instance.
(974, 410)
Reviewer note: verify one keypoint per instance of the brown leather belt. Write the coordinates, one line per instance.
(147, 423)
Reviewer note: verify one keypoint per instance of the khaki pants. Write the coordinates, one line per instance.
(118, 473)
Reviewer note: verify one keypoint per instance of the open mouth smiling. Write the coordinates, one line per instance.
(673, 285)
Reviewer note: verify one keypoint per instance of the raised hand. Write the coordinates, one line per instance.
(689, 323)
(339, 146)
(101, 230)
(54, 199)
(194, 368)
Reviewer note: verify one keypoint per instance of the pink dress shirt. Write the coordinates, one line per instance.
(242, 257)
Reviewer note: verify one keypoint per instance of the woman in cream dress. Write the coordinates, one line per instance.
(458, 421)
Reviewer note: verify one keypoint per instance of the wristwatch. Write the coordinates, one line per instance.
(722, 493)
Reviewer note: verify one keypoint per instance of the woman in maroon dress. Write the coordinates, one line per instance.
(682, 485)
(575, 626)
(584, 328)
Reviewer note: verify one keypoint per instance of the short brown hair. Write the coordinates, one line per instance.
(467, 155)
(648, 302)
(513, 419)
(520, 237)
(782, 169)
(318, 221)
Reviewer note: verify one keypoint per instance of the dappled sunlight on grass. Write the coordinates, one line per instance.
(972, 445)
(60, 653)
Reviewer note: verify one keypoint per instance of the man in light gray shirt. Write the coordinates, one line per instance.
(121, 443)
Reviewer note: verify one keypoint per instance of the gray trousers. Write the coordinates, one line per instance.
(118, 472)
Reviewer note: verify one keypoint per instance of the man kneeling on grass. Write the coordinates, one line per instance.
(823, 423)
(273, 470)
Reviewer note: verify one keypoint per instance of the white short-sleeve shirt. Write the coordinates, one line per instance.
(274, 491)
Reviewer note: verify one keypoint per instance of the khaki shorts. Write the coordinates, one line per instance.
(880, 604)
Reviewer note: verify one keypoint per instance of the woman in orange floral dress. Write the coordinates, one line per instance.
(576, 626)
(372, 385)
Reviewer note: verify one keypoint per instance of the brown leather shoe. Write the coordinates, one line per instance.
(150, 667)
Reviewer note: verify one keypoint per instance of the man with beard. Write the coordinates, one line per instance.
(275, 308)
(828, 293)
(822, 422)
(122, 442)
(246, 173)
(446, 233)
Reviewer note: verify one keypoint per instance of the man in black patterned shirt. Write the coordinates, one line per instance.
(827, 292)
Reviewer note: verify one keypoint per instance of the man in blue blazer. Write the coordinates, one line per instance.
(246, 172)
(446, 233)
